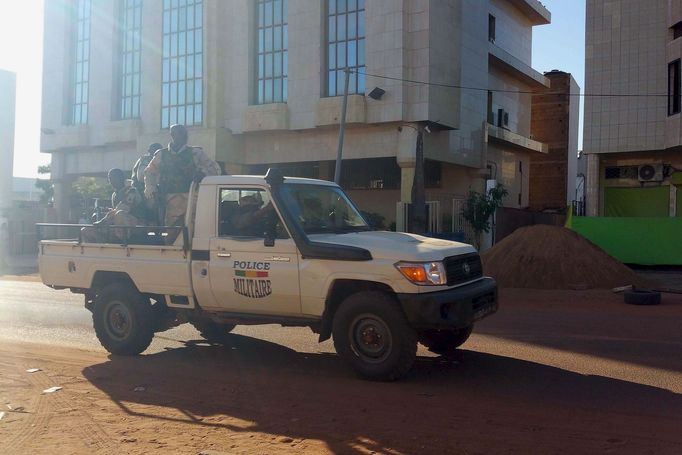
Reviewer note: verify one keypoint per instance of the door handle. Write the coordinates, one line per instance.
(278, 259)
(224, 254)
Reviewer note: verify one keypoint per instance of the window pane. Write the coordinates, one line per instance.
(352, 53)
(361, 52)
(277, 32)
(278, 64)
(352, 25)
(341, 27)
(332, 56)
(361, 24)
(332, 28)
(331, 81)
(340, 82)
(278, 91)
(341, 55)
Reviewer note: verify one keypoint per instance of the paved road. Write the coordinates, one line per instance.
(572, 372)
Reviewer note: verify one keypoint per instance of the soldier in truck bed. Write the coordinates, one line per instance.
(169, 175)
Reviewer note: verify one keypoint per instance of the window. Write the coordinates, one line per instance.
(491, 28)
(182, 63)
(245, 212)
(677, 30)
(674, 88)
(129, 88)
(273, 59)
(81, 62)
(345, 45)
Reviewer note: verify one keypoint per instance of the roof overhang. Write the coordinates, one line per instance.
(507, 63)
(533, 10)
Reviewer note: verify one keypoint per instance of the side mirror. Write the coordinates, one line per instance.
(270, 230)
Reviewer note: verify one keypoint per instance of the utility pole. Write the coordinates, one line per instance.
(342, 130)
(418, 196)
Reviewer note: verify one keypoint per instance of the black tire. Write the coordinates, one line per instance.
(371, 333)
(212, 331)
(642, 297)
(444, 342)
(123, 320)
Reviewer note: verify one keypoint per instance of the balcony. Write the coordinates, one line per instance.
(508, 64)
(513, 140)
(533, 10)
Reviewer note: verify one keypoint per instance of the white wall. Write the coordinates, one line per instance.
(7, 111)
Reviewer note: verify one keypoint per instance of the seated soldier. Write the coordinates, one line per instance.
(129, 212)
(250, 219)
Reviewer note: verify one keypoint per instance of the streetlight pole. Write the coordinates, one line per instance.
(342, 130)
(419, 224)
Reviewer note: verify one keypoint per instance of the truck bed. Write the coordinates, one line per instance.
(154, 269)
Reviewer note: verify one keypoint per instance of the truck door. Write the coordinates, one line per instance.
(245, 275)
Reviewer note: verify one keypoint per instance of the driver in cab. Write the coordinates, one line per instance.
(251, 217)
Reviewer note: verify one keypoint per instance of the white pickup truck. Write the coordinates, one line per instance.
(307, 258)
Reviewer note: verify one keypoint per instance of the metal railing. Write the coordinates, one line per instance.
(111, 234)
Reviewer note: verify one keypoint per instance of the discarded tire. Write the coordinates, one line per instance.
(642, 297)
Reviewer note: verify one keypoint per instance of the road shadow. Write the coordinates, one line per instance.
(596, 323)
(473, 403)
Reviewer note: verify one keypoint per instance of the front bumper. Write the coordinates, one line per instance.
(451, 309)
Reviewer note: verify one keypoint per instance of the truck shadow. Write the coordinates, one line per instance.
(476, 401)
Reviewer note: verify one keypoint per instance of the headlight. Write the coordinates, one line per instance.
(424, 273)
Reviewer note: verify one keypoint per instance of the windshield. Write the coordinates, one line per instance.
(322, 209)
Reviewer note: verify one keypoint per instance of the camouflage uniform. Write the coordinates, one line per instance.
(138, 171)
(171, 174)
(128, 212)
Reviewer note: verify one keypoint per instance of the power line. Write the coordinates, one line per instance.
(517, 92)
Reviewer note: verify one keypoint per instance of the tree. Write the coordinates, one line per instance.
(90, 188)
(480, 207)
(45, 185)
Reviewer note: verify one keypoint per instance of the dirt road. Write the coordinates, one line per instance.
(552, 372)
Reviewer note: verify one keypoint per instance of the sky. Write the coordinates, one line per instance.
(560, 45)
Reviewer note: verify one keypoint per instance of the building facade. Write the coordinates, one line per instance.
(555, 123)
(259, 83)
(633, 129)
(8, 84)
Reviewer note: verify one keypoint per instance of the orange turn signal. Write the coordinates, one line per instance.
(414, 274)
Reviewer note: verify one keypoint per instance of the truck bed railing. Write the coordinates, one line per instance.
(111, 234)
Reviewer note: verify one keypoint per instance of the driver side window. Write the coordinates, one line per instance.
(247, 212)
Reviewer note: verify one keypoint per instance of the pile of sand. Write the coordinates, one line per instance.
(551, 257)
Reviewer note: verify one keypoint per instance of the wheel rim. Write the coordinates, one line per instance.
(119, 320)
(370, 338)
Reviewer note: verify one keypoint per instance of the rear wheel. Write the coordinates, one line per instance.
(444, 342)
(372, 334)
(212, 331)
(122, 318)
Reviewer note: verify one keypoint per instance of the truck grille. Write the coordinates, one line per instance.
(461, 269)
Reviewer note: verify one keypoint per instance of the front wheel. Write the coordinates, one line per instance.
(372, 334)
(444, 342)
(123, 320)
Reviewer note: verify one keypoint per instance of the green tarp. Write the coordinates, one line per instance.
(645, 241)
(637, 202)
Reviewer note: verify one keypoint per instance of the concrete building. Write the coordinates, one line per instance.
(259, 83)
(8, 84)
(555, 123)
(633, 140)
(24, 190)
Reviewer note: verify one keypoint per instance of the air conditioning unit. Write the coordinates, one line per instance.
(650, 173)
(502, 118)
